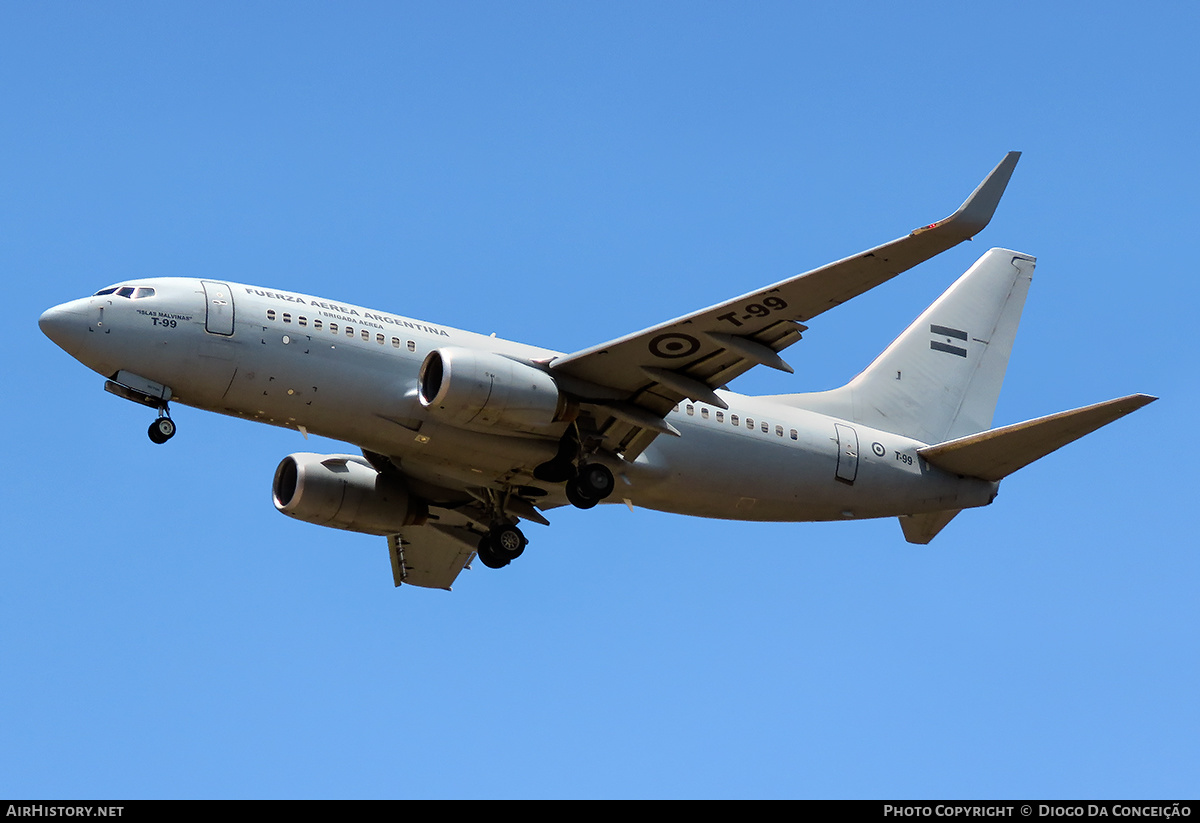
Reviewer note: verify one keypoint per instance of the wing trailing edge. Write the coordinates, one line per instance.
(430, 556)
(692, 355)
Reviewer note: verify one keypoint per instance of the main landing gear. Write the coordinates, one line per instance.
(590, 485)
(162, 429)
(587, 483)
(501, 545)
(504, 542)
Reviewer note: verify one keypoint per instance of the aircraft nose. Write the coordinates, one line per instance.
(65, 325)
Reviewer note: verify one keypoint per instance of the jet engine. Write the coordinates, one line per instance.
(343, 491)
(482, 390)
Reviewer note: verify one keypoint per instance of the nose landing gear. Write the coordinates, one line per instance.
(162, 429)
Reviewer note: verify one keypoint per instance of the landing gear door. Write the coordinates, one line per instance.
(847, 462)
(218, 308)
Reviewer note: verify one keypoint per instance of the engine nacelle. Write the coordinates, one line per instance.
(482, 390)
(343, 491)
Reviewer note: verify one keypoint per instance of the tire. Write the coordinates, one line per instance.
(578, 498)
(596, 481)
(487, 556)
(507, 543)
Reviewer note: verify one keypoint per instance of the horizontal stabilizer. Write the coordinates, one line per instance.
(997, 453)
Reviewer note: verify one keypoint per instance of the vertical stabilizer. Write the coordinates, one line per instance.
(941, 378)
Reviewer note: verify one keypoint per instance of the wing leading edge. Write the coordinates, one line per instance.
(634, 381)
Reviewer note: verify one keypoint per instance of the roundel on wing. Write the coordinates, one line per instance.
(672, 345)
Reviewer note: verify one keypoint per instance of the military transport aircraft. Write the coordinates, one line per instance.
(462, 436)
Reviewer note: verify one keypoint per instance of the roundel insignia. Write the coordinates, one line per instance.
(878, 449)
(672, 345)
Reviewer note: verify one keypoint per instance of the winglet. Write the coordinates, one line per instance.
(977, 210)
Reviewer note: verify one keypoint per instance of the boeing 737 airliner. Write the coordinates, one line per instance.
(461, 436)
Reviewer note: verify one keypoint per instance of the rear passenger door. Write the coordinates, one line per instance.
(847, 462)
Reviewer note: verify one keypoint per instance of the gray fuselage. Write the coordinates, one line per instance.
(350, 374)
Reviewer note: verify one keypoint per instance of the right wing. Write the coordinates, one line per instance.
(637, 379)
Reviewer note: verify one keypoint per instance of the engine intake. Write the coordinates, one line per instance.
(343, 491)
(482, 390)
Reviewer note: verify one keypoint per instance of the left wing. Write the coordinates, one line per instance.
(630, 384)
(431, 556)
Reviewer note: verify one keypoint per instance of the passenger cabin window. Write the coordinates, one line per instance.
(795, 436)
(779, 431)
(766, 427)
(395, 342)
(412, 346)
(720, 417)
(733, 419)
(270, 314)
(349, 331)
(302, 320)
(704, 412)
(750, 422)
(317, 325)
(287, 318)
(691, 410)
(333, 328)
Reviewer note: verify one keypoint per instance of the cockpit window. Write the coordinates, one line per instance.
(127, 291)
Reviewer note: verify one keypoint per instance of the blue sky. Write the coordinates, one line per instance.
(563, 174)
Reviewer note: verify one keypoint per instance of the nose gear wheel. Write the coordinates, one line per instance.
(162, 429)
